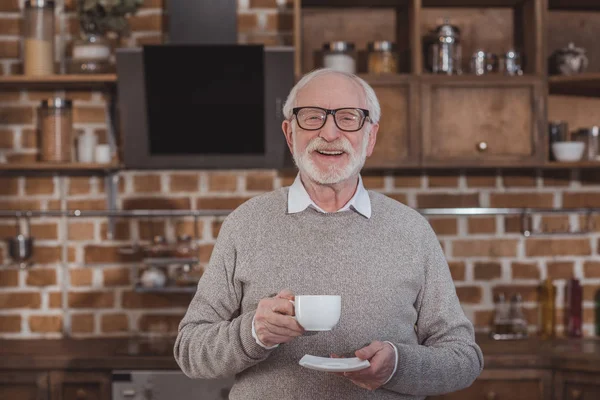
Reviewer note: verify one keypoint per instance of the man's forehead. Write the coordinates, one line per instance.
(333, 89)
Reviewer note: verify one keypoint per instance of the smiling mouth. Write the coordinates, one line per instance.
(330, 153)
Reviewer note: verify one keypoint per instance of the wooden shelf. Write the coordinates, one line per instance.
(574, 5)
(571, 165)
(387, 79)
(495, 79)
(59, 81)
(586, 84)
(355, 3)
(64, 168)
(472, 3)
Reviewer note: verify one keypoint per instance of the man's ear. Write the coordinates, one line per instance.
(286, 126)
(372, 139)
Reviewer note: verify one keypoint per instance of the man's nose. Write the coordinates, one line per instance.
(330, 131)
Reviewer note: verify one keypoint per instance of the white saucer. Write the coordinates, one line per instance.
(333, 364)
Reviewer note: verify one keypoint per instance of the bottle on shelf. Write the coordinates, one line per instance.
(38, 37)
(547, 309)
(517, 318)
(573, 308)
(597, 312)
(502, 322)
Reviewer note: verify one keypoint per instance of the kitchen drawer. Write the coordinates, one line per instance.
(23, 385)
(576, 386)
(523, 384)
(66, 385)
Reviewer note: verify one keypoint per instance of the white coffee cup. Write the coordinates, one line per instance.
(317, 313)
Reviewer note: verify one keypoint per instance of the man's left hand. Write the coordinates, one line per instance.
(382, 357)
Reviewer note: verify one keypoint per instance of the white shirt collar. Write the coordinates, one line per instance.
(299, 200)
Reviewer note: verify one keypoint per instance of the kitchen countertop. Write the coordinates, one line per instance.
(122, 353)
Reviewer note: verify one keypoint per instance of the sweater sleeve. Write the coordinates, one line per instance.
(214, 340)
(447, 357)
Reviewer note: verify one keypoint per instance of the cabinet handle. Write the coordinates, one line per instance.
(482, 146)
(491, 396)
(81, 394)
(576, 394)
(129, 393)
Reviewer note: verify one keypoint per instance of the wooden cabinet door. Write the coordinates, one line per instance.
(521, 384)
(471, 121)
(576, 386)
(23, 385)
(66, 385)
(397, 140)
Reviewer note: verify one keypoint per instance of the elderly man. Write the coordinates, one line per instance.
(326, 234)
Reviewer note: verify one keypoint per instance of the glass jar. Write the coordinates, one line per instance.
(38, 37)
(56, 125)
(446, 53)
(184, 247)
(91, 54)
(383, 57)
(340, 55)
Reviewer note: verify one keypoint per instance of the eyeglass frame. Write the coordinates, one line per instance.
(327, 111)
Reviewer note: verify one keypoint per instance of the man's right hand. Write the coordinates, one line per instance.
(273, 321)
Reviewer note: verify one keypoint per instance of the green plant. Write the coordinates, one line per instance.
(102, 16)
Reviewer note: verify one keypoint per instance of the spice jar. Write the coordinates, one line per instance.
(56, 124)
(184, 247)
(383, 58)
(340, 56)
(38, 37)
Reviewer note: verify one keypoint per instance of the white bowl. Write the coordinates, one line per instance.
(568, 151)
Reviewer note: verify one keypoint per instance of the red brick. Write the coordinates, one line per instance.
(187, 228)
(111, 323)
(16, 115)
(591, 269)
(447, 179)
(147, 183)
(91, 299)
(557, 247)
(484, 318)
(41, 277)
(220, 203)
(7, 139)
(457, 270)
(518, 200)
(158, 203)
(480, 178)
(408, 180)
(519, 178)
(82, 323)
(263, 3)
(121, 230)
(400, 197)
(37, 186)
(529, 293)
(87, 205)
(10, 6)
(554, 223)
(45, 323)
(81, 277)
(264, 182)
(89, 115)
(280, 22)
(556, 177)
(21, 158)
(79, 185)
(9, 49)
(581, 200)
(29, 139)
(10, 26)
(469, 294)
(444, 226)
(287, 178)
(15, 205)
(485, 248)
(20, 300)
(9, 278)
(246, 22)
(560, 270)
(45, 231)
(10, 323)
(485, 271)
(184, 183)
(151, 22)
(133, 300)
(514, 224)
(9, 186)
(222, 182)
(105, 254)
(205, 251)
(116, 277)
(153, 4)
(54, 300)
(590, 292)
(525, 271)
(149, 39)
(159, 323)
(216, 228)
(482, 225)
(81, 231)
(46, 254)
(148, 229)
(589, 177)
(430, 200)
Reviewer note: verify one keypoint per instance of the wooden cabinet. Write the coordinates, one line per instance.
(576, 386)
(398, 137)
(482, 121)
(23, 385)
(80, 385)
(525, 384)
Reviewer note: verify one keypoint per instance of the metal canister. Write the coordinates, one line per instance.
(511, 63)
(446, 50)
(591, 137)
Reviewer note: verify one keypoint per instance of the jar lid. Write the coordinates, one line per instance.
(57, 102)
(339, 45)
(591, 131)
(381, 45)
(39, 4)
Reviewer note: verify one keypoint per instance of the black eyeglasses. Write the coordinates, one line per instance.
(346, 119)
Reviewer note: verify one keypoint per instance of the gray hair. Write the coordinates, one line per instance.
(371, 98)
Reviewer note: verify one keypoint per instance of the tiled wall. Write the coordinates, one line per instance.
(81, 285)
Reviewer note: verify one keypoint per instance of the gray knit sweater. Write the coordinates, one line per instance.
(394, 282)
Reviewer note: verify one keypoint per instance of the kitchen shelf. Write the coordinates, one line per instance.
(355, 3)
(58, 81)
(579, 5)
(585, 84)
(487, 80)
(471, 3)
(167, 289)
(62, 168)
(158, 261)
(387, 79)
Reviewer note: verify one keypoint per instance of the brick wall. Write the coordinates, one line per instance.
(81, 285)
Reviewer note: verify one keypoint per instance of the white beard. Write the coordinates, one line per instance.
(334, 173)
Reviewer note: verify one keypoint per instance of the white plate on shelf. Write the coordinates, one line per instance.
(333, 364)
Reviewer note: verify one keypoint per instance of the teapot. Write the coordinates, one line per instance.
(569, 60)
